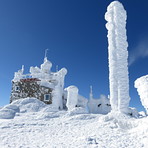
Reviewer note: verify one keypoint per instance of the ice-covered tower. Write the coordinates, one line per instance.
(142, 87)
(118, 55)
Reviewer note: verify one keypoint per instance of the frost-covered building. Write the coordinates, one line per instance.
(44, 85)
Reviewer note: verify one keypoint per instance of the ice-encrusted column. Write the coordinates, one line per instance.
(58, 91)
(72, 97)
(118, 55)
(142, 87)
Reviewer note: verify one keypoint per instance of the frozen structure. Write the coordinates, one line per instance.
(98, 106)
(142, 87)
(72, 97)
(118, 55)
(46, 86)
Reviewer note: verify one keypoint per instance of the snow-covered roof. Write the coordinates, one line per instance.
(44, 74)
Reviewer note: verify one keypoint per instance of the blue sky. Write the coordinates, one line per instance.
(75, 33)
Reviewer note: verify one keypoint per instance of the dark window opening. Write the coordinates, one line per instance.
(47, 97)
(17, 88)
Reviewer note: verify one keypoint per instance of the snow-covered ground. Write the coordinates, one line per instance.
(36, 125)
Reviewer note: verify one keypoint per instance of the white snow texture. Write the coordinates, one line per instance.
(33, 124)
(118, 54)
(142, 87)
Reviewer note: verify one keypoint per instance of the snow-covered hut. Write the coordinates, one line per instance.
(40, 83)
(44, 85)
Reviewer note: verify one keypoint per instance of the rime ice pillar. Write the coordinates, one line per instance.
(72, 97)
(142, 87)
(58, 91)
(118, 55)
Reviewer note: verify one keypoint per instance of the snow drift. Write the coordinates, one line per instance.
(21, 106)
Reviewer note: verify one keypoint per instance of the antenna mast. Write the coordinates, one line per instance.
(91, 93)
(46, 50)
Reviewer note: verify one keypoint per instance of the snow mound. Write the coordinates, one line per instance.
(12, 107)
(49, 108)
(8, 111)
(77, 110)
(29, 105)
(21, 106)
(118, 120)
(49, 112)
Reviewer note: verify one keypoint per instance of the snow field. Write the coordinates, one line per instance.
(44, 127)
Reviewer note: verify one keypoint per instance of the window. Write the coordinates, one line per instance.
(17, 88)
(47, 97)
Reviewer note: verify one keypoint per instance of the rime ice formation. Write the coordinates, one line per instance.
(142, 87)
(99, 106)
(46, 66)
(72, 97)
(58, 91)
(118, 54)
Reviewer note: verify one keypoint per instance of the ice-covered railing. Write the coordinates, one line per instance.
(142, 87)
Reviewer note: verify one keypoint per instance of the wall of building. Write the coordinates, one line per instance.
(29, 88)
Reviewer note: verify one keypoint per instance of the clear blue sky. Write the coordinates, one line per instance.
(75, 33)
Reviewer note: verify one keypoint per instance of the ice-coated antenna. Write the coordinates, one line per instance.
(46, 53)
(91, 92)
(22, 68)
(57, 68)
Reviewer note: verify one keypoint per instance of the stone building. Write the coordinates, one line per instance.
(44, 85)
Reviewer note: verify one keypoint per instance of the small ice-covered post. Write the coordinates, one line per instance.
(118, 55)
(72, 97)
(142, 87)
(91, 93)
